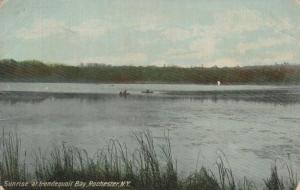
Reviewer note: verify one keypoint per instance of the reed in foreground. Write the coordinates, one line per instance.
(148, 167)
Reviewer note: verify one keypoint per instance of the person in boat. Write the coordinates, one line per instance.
(124, 93)
(147, 91)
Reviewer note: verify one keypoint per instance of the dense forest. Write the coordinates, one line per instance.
(36, 71)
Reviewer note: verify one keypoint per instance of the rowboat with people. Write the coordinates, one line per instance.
(124, 93)
(147, 91)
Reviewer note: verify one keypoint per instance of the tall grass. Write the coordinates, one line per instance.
(11, 167)
(144, 167)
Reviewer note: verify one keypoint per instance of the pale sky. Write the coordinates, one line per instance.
(151, 32)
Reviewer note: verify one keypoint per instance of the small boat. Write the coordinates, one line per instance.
(124, 93)
(147, 91)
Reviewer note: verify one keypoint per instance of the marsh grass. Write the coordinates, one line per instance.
(11, 166)
(275, 182)
(149, 167)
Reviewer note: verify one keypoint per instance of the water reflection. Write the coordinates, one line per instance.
(282, 97)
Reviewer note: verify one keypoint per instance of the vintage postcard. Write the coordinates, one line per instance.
(150, 94)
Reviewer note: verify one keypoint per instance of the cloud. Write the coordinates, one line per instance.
(199, 49)
(279, 25)
(134, 58)
(238, 21)
(229, 23)
(180, 54)
(176, 34)
(92, 28)
(266, 58)
(49, 27)
(206, 47)
(190, 42)
(259, 59)
(274, 57)
(148, 23)
(206, 38)
(263, 43)
(41, 29)
(241, 21)
(247, 20)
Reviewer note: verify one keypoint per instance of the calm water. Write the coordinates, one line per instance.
(252, 125)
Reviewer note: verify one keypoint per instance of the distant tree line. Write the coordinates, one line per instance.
(36, 71)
